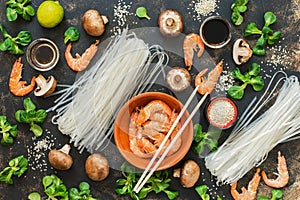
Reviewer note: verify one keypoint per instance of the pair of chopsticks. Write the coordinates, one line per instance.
(144, 178)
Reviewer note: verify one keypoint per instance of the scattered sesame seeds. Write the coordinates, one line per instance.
(225, 80)
(121, 12)
(36, 153)
(203, 8)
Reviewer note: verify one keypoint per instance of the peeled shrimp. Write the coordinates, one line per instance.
(150, 108)
(249, 194)
(80, 63)
(157, 126)
(16, 86)
(192, 42)
(206, 85)
(283, 174)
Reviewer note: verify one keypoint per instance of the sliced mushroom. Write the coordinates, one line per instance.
(45, 87)
(189, 173)
(178, 79)
(241, 51)
(60, 159)
(96, 167)
(170, 23)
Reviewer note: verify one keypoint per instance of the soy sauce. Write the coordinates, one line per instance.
(44, 54)
(215, 31)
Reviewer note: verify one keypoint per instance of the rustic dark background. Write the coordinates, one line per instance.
(287, 12)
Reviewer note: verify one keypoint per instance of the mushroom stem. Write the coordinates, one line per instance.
(65, 149)
(170, 22)
(105, 19)
(40, 80)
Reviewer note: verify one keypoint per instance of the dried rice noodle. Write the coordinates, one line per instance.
(249, 144)
(123, 71)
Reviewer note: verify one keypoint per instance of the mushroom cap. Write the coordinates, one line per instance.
(93, 23)
(170, 23)
(178, 79)
(96, 167)
(59, 159)
(241, 51)
(45, 87)
(190, 173)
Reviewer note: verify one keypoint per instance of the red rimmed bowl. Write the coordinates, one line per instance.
(121, 129)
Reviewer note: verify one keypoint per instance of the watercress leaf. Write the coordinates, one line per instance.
(171, 195)
(121, 190)
(201, 190)
(29, 10)
(84, 186)
(121, 181)
(36, 129)
(11, 14)
(236, 18)
(6, 139)
(263, 198)
(40, 116)
(6, 44)
(71, 34)
(252, 29)
(270, 18)
(257, 83)
(266, 30)
(219, 198)
(211, 143)
(276, 194)
(14, 130)
(28, 104)
(198, 148)
(254, 69)
(142, 12)
(242, 8)
(236, 92)
(274, 38)
(21, 116)
(14, 49)
(47, 181)
(23, 38)
(34, 196)
(236, 73)
(258, 50)
(144, 192)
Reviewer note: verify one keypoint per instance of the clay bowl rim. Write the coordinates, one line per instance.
(120, 136)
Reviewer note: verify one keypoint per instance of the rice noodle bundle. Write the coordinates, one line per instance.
(123, 71)
(249, 146)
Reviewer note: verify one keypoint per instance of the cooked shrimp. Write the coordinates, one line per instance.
(192, 42)
(16, 86)
(249, 194)
(157, 126)
(155, 136)
(207, 85)
(159, 117)
(177, 144)
(283, 174)
(150, 108)
(80, 63)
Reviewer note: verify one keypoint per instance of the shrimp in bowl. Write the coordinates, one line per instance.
(142, 124)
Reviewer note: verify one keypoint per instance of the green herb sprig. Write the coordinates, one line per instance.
(71, 34)
(251, 77)
(201, 139)
(201, 190)
(54, 188)
(267, 35)
(17, 8)
(141, 12)
(240, 6)
(17, 166)
(159, 182)
(8, 131)
(31, 116)
(83, 192)
(276, 194)
(11, 44)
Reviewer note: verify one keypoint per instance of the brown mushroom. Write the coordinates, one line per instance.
(45, 87)
(96, 167)
(170, 23)
(189, 173)
(178, 79)
(241, 51)
(60, 159)
(93, 23)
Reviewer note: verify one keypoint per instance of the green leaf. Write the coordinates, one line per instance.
(236, 73)
(236, 18)
(28, 104)
(201, 190)
(29, 10)
(276, 194)
(266, 30)
(237, 92)
(263, 198)
(251, 29)
(242, 8)
(257, 83)
(171, 195)
(40, 116)
(11, 14)
(23, 38)
(34, 196)
(141, 12)
(47, 181)
(270, 18)
(274, 38)
(212, 143)
(254, 69)
(71, 34)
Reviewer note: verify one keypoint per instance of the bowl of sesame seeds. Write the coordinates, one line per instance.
(221, 112)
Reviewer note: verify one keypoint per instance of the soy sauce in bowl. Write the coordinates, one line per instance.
(215, 32)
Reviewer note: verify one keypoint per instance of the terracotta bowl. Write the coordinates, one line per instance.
(121, 127)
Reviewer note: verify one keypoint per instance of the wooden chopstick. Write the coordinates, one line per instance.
(143, 180)
(166, 137)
